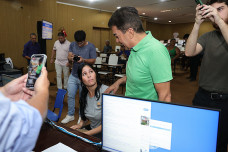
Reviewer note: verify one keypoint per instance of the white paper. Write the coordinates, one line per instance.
(60, 147)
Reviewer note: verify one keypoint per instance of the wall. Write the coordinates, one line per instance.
(165, 31)
(19, 18)
(93, 22)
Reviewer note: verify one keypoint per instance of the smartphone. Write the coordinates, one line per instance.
(199, 2)
(34, 70)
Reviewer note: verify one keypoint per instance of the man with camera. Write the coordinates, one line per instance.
(213, 79)
(81, 51)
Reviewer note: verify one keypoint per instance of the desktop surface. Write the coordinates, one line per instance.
(141, 125)
(50, 136)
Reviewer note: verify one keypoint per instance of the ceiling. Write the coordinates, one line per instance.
(176, 11)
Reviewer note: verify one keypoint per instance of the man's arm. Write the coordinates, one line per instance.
(89, 61)
(163, 90)
(16, 90)
(114, 87)
(52, 56)
(192, 47)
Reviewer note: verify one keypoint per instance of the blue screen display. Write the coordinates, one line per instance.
(47, 28)
(130, 124)
(193, 129)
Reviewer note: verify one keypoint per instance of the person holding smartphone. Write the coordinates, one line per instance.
(213, 80)
(22, 112)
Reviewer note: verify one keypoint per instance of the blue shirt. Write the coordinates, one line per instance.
(20, 125)
(86, 52)
(127, 52)
(107, 49)
(30, 49)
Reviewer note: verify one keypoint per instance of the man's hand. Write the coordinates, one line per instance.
(113, 88)
(211, 13)
(71, 57)
(116, 85)
(16, 89)
(81, 59)
(52, 60)
(199, 14)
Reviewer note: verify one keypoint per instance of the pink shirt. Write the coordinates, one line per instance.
(61, 52)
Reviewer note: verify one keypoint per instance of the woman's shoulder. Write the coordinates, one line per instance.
(103, 88)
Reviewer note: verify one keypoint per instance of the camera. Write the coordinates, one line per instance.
(76, 58)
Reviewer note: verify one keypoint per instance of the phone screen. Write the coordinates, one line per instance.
(36, 63)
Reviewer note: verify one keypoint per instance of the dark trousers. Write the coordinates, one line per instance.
(204, 99)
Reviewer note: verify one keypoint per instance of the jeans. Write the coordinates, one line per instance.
(59, 69)
(73, 85)
(203, 98)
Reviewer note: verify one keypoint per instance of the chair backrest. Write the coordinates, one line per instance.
(117, 48)
(59, 100)
(98, 61)
(9, 61)
(103, 55)
(113, 59)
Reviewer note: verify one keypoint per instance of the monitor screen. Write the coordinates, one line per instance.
(150, 126)
(47, 28)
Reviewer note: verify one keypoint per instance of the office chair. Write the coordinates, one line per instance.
(58, 104)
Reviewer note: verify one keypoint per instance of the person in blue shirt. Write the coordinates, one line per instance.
(107, 47)
(22, 112)
(123, 54)
(80, 51)
(31, 47)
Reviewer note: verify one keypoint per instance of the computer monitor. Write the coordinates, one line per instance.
(130, 124)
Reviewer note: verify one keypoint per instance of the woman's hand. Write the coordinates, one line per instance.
(78, 126)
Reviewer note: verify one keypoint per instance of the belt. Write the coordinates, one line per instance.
(214, 95)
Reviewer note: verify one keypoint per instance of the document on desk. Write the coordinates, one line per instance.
(60, 147)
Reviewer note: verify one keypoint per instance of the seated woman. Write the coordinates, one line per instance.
(90, 100)
(174, 52)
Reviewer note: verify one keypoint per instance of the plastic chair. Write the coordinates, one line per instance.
(58, 104)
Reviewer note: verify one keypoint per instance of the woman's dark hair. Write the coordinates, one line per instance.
(186, 36)
(79, 36)
(84, 92)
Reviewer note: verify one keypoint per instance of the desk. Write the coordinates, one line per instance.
(51, 136)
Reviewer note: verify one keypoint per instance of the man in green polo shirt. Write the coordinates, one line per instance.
(148, 71)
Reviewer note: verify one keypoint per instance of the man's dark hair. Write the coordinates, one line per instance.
(61, 34)
(186, 36)
(31, 34)
(125, 18)
(209, 2)
(79, 36)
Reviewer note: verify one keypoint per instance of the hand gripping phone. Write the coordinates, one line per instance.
(199, 2)
(34, 70)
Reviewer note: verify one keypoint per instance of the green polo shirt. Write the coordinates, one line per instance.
(148, 63)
